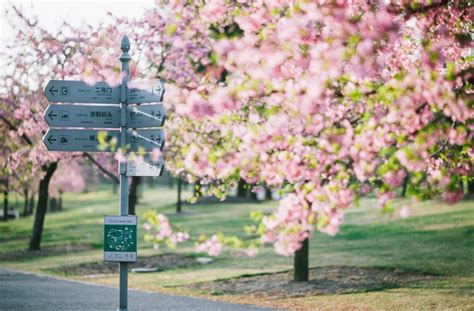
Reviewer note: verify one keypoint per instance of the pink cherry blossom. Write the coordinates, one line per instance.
(405, 211)
(212, 246)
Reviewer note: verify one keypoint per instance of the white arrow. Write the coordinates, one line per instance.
(79, 92)
(146, 167)
(88, 140)
(148, 91)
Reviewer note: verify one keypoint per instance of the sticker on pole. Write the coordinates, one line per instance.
(120, 238)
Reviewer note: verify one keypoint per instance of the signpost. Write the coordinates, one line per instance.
(79, 140)
(90, 140)
(90, 116)
(105, 128)
(104, 116)
(146, 140)
(145, 91)
(80, 92)
(147, 167)
(146, 116)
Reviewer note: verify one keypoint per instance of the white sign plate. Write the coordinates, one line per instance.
(146, 140)
(80, 92)
(146, 167)
(149, 91)
(90, 116)
(76, 140)
(146, 116)
(87, 140)
(103, 116)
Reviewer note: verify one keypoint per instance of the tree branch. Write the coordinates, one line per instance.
(410, 9)
(12, 127)
(101, 168)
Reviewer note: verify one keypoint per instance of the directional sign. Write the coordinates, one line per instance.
(80, 92)
(145, 167)
(104, 116)
(78, 140)
(146, 116)
(98, 116)
(148, 91)
(146, 140)
(120, 238)
(89, 140)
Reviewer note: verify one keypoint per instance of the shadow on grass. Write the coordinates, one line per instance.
(27, 255)
(158, 263)
(415, 244)
(323, 281)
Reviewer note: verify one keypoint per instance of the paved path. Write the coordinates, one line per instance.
(21, 291)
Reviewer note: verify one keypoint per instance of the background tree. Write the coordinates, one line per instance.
(36, 57)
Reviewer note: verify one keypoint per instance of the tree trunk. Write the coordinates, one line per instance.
(405, 185)
(25, 202)
(251, 195)
(31, 204)
(197, 189)
(241, 191)
(5, 200)
(42, 205)
(300, 265)
(178, 203)
(60, 200)
(151, 182)
(140, 189)
(133, 195)
(470, 188)
(268, 193)
(53, 205)
(244, 191)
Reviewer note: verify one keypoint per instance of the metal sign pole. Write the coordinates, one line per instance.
(123, 266)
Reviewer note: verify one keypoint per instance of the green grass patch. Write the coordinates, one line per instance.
(437, 239)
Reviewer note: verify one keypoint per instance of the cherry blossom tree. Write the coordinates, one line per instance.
(327, 101)
(36, 57)
(70, 53)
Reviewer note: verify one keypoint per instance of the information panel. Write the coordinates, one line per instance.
(120, 238)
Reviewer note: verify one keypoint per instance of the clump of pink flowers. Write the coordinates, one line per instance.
(159, 230)
(212, 246)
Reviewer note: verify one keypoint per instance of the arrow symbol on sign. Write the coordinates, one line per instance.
(50, 138)
(51, 115)
(52, 90)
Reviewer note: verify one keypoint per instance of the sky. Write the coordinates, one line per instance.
(52, 12)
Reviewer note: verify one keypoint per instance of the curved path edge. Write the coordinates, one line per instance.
(28, 291)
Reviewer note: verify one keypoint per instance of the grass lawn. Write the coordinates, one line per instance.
(437, 239)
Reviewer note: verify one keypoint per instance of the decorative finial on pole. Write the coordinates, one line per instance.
(125, 46)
